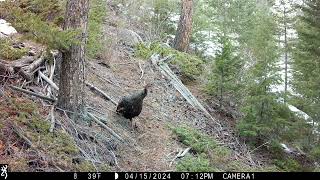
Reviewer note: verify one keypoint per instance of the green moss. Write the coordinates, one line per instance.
(195, 164)
(58, 146)
(86, 166)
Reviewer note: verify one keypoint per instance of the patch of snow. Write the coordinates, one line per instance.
(285, 148)
(175, 18)
(6, 29)
(299, 112)
(306, 117)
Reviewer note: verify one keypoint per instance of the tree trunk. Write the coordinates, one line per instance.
(181, 41)
(72, 76)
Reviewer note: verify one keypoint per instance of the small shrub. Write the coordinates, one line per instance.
(97, 16)
(190, 65)
(315, 153)
(8, 52)
(288, 164)
(199, 143)
(194, 164)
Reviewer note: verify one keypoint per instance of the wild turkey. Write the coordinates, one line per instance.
(131, 106)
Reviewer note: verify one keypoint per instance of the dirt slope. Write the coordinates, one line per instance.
(119, 73)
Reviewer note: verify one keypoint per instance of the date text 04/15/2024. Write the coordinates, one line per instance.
(186, 176)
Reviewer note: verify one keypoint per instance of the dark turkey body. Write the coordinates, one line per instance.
(131, 106)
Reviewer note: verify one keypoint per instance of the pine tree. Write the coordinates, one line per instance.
(262, 113)
(183, 34)
(72, 75)
(285, 15)
(224, 77)
(306, 63)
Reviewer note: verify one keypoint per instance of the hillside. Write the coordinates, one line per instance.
(171, 133)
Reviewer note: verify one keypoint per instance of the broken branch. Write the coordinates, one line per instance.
(32, 93)
(102, 93)
(106, 127)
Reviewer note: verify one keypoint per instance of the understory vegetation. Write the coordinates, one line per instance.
(22, 119)
(255, 63)
(254, 67)
(207, 154)
(191, 65)
(42, 21)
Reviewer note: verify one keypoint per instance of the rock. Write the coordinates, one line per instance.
(6, 29)
(32, 53)
(129, 37)
(19, 45)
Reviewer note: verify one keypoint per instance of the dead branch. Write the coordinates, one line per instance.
(181, 154)
(52, 68)
(142, 71)
(35, 64)
(51, 83)
(115, 160)
(4, 67)
(101, 92)
(106, 127)
(32, 93)
(27, 76)
(18, 131)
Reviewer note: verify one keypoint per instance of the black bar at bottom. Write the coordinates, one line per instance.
(159, 175)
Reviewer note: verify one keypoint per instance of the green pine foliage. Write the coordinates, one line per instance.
(263, 118)
(28, 18)
(97, 14)
(224, 77)
(306, 63)
(42, 22)
(206, 154)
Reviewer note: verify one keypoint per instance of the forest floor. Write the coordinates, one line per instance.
(118, 72)
(119, 75)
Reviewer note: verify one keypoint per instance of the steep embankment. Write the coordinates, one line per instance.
(118, 73)
(166, 126)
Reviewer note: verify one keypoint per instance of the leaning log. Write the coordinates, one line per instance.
(179, 86)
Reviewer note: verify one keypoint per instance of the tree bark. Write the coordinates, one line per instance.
(72, 75)
(182, 39)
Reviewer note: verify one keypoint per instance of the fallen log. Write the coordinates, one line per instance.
(25, 66)
(35, 64)
(179, 86)
(24, 74)
(5, 68)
